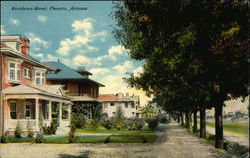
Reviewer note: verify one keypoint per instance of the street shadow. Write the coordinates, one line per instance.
(85, 154)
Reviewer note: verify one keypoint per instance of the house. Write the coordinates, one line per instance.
(128, 104)
(26, 98)
(82, 90)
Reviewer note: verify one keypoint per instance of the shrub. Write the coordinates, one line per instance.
(78, 120)
(152, 122)
(107, 140)
(52, 128)
(30, 133)
(71, 137)
(3, 138)
(119, 125)
(18, 131)
(144, 139)
(94, 123)
(107, 124)
(39, 138)
(134, 124)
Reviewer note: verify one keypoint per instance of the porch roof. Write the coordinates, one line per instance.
(83, 98)
(45, 90)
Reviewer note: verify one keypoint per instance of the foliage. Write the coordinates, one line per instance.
(93, 123)
(107, 123)
(78, 119)
(3, 138)
(52, 128)
(107, 140)
(39, 138)
(235, 148)
(118, 120)
(30, 132)
(134, 124)
(199, 57)
(152, 122)
(149, 111)
(18, 131)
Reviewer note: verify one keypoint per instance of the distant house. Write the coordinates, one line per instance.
(129, 104)
(25, 96)
(77, 85)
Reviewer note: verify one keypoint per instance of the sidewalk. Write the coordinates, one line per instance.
(231, 137)
(178, 143)
(173, 142)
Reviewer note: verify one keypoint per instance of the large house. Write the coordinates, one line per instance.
(25, 97)
(77, 85)
(128, 104)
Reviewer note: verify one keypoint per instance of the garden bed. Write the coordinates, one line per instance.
(90, 139)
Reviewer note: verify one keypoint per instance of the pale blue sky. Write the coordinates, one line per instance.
(77, 38)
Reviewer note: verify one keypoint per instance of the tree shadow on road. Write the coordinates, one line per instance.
(85, 154)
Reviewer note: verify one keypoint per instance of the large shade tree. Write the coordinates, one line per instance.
(209, 35)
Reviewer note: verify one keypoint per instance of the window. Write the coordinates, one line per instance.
(133, 105)
(27, 111)
(26, 73)
(112, 104)
(14, 71)
(126, 105)
(18, 46)
(105, 105)
(40, 78)
(133, 113)
(13, 110)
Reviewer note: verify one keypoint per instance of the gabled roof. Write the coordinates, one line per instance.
(5, 49)
(65, 73)
(49, 90)
(112, 98)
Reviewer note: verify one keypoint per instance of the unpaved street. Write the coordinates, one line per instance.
(173, 142)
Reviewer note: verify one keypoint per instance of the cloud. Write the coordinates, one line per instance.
(37, 56)
(36, 43)
(3, 30)
(125, 67)
(80, 60)
(99, 71)
(113, 53)
(14, 21)
(81, 42)
(42, 18)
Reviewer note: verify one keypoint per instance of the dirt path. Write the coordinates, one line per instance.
(173, 142)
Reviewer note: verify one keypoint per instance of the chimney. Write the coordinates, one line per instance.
(127, 94)
(25, 45)
(81, 68)
(119, 95)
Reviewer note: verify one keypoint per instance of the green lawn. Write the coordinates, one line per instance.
(239, 128)
(102, 130)
(91, 139)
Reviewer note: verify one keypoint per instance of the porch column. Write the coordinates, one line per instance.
(50, 111)
(69, 112)
(37, 112)
(60, 113)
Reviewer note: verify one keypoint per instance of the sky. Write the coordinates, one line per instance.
(75, 37)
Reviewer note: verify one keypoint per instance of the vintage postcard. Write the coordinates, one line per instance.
(108, 79)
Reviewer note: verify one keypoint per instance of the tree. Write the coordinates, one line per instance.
(198, 44)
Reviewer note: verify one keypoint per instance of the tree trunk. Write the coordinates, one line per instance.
(218, 127)
(195, 121)
(187, 118)
(202, 123)
(178, 118)
(182, 121)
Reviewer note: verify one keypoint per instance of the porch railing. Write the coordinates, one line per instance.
(78, 94)
(12, 123)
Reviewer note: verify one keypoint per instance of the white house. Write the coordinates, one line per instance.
(128, 104)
